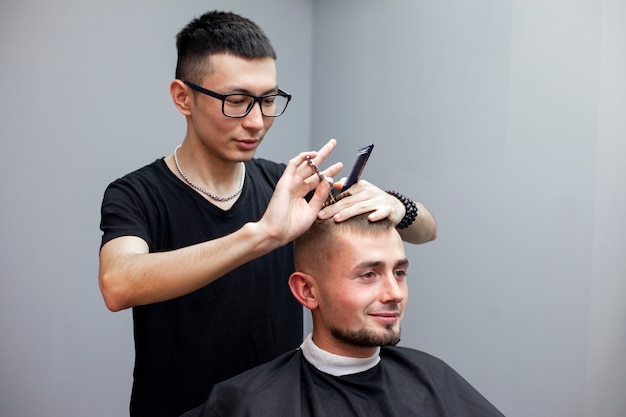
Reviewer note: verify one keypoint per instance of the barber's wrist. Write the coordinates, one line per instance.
(410, 207)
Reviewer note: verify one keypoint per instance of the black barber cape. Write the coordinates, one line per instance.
(405, 383)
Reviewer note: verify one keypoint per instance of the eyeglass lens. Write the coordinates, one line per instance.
(239, 105)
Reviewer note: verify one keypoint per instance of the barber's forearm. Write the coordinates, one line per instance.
(423, 229)
(129, 277)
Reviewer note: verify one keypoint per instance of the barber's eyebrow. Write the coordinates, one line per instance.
(233, 89)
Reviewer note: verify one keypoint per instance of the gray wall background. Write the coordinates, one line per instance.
(506, 117)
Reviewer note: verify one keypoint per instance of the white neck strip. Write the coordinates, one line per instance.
(336, 365)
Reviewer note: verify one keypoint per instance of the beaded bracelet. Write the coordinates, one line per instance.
(410, 210)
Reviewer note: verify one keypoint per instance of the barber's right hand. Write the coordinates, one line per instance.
(289, 214)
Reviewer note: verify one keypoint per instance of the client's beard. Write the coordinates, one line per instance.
(366, 337)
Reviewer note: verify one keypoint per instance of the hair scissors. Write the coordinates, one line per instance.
(321, 176)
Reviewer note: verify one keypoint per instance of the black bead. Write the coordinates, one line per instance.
(410, 210)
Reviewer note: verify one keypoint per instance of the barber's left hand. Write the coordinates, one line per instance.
(365, 197)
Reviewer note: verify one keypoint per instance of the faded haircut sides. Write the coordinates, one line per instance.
(218, 32)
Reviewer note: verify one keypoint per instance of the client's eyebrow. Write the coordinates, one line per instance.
(373, 264)
(402, 263)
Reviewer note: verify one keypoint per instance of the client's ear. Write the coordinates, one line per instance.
(302, 287)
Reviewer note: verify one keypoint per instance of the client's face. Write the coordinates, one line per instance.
(363, 296)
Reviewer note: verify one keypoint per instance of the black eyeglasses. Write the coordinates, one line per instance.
(240, 104)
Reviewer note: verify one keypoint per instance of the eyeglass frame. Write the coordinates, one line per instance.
(255, 99)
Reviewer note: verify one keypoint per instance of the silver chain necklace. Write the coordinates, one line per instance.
(210, 194)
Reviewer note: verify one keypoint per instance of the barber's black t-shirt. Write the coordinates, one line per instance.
(247, 317)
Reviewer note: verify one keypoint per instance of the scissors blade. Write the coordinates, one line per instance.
(322, 177)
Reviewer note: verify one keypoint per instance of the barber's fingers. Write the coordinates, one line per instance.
(338, 185)
(361, 198)
(300, 166)
(305, 169)
(325, 151)
(326, 174)
(322, 191)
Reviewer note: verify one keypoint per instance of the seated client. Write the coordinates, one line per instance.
(352, 276)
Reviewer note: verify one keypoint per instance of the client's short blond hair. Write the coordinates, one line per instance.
(316, 246)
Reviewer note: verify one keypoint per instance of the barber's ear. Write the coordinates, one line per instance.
(181, 96)
(302, 287)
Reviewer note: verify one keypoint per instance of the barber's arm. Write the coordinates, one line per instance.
(414, 221)
(130, 275)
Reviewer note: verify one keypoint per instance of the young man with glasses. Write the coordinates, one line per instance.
(198, 242)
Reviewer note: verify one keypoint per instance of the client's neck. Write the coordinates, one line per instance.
(335, 364)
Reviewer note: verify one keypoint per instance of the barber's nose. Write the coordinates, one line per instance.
(254, 119)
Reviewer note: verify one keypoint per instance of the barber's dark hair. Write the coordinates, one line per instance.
(218, 32)
(314, 247)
